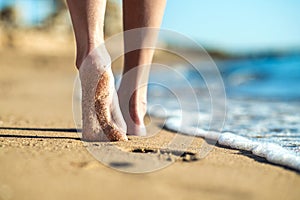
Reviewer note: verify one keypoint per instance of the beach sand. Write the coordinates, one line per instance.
(42, 157)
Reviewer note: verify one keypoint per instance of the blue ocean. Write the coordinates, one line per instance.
(262, 104)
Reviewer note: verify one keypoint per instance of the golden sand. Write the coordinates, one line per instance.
(42, 158)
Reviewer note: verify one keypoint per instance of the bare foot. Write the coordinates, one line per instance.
(134, 109)
(101, 116)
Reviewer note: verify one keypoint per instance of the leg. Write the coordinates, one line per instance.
(88, 21)
(133, 88)
(101, 115)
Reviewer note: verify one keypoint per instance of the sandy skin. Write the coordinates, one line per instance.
(105, 113)
(102, 119)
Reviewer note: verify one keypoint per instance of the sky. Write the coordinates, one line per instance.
(31, 11)
(237, 25)
(231, 25)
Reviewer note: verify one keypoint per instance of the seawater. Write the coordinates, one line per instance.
(262, 105)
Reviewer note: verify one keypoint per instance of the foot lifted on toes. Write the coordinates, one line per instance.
(101, 116)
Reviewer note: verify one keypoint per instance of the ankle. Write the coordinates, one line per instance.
(137, 114)
(138, 107)
(84, 51)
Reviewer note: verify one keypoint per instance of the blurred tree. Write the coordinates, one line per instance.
(8, 22)
(8, 16)
(58, 22)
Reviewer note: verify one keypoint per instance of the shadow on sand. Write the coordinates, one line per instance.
(65, 130)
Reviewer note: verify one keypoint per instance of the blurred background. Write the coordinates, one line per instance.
(256, 47)
(254, 43)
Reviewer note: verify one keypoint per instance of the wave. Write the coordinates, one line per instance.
(272, 152)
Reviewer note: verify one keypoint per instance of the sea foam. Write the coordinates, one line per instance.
(262, 113)
(272, 152)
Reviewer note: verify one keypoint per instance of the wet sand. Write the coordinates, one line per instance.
(42, 157)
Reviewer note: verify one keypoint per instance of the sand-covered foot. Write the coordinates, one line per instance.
(102, 119)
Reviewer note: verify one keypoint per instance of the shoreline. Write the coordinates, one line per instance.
(52, 160)
(271, 152)
(46, 160)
